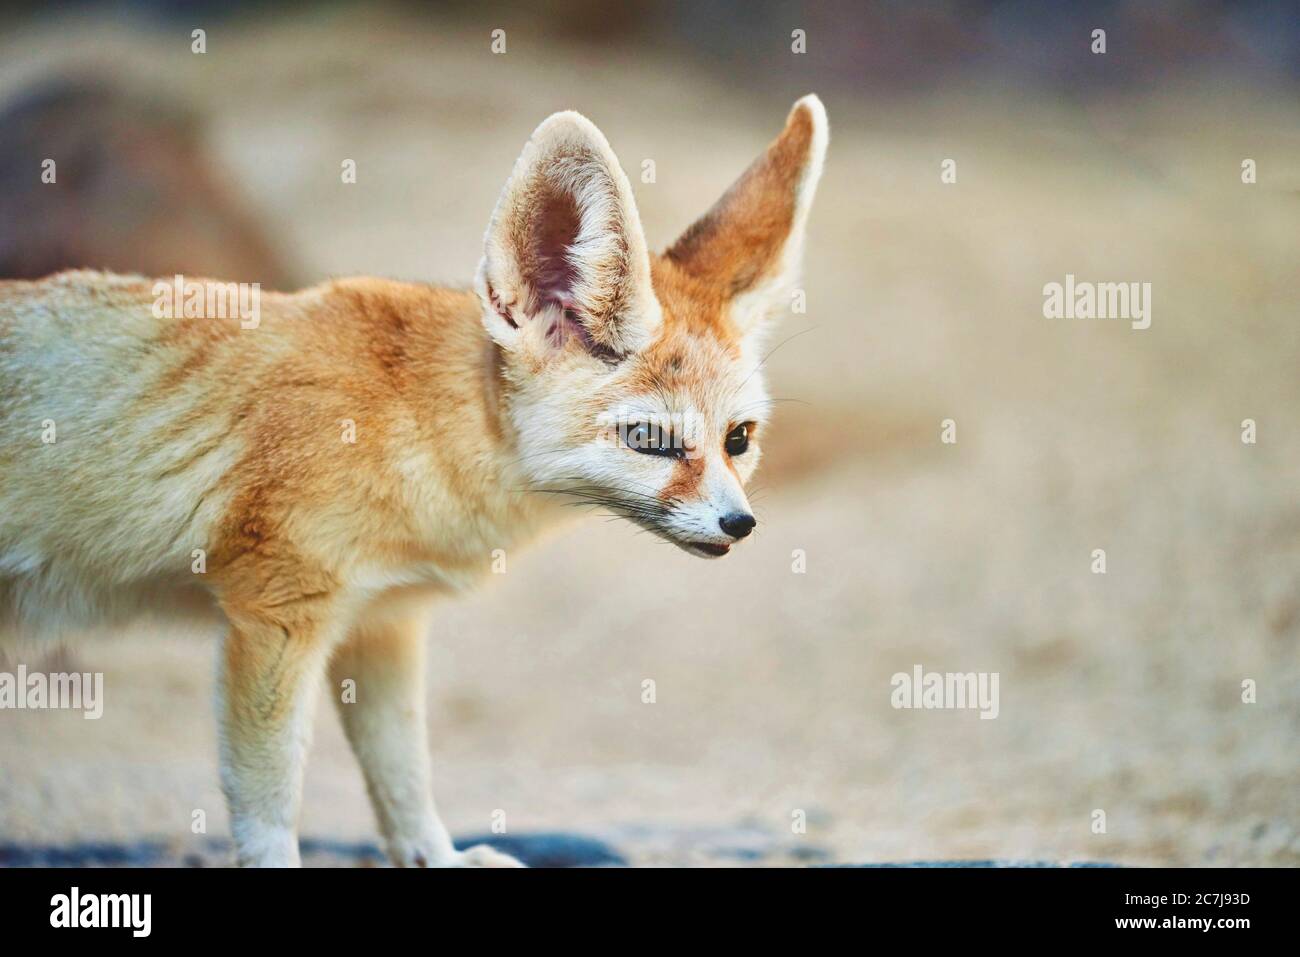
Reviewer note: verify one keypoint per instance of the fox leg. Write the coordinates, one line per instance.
(269, 680)
(385, 722)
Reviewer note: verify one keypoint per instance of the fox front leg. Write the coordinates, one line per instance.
(377, 678)
(269, 680)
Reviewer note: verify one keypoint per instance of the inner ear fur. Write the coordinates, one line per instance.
(752, 238)
(566, 241)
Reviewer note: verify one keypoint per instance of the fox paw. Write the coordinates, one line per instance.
(482, 855)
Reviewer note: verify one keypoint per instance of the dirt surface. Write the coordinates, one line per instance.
(1120, 692)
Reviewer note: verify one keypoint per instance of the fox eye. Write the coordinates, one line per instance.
(738, 440)
(652, 440)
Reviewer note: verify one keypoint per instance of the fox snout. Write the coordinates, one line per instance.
(735, 524)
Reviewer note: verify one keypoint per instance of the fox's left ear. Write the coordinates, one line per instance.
(564, 258)
(750, 244)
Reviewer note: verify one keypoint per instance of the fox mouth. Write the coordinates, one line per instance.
(650, 515)
(709, 549)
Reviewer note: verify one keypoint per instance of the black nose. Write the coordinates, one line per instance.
(737, 524)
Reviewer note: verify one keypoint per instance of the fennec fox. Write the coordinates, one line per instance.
(318, 476)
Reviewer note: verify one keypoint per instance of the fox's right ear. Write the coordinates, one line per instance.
(564, 257)
(749, 246)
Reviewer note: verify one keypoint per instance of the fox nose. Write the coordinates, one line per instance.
(737, 524)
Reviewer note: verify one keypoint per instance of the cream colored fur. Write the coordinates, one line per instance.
(202, 470)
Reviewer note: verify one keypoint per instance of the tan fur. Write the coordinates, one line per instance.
(476, 417)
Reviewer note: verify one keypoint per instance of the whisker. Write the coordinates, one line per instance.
(779, 345)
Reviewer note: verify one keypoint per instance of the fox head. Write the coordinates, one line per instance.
(633, 381)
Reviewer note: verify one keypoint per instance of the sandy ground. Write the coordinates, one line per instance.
(1119, 692)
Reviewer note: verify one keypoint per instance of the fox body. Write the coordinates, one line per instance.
(314, 480)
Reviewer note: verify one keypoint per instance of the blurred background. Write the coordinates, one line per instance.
(1120, 692)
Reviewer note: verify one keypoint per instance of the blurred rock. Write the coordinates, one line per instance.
(550, 849)
(134, 190)
(985, 863)
(545, 849)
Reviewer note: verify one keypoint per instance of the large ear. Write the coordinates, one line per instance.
(750, 244)
(564, 256)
